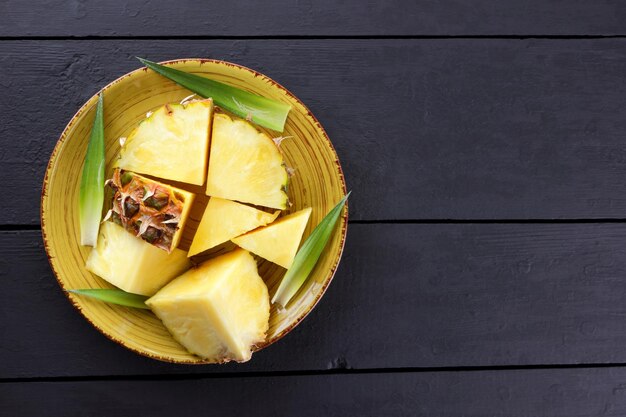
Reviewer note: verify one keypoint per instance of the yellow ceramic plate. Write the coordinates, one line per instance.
(318, 183)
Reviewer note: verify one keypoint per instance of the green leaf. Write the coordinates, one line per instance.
(91, 196)
(307, 256)
(115, 296)
(261, 110)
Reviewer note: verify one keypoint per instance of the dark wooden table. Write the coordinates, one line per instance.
(485, 266)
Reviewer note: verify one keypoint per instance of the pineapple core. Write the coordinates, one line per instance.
(132, 264)
(279, 241)
(218, 310)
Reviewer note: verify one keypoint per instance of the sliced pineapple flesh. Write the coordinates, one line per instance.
(245, 165)
(172, 143)
(223, 220)
(131, 263)
(279, 241)
(151, 210)
(218, 310)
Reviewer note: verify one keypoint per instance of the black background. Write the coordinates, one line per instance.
(485, 266)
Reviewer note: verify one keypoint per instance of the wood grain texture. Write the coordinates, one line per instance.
(438, 129)
(564, 392)
(310, 18)
(404, 296)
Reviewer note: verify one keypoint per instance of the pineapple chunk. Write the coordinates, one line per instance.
(218, 310)
(151, 210)
(245, 165)
(132, 264)
(224, 220)
(172, 143)
(279, 241)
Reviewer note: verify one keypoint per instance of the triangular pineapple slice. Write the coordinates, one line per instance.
(172, 143)
(245, 165)
(218, 310)
(224, 220)
(279, 241)
(132, 264)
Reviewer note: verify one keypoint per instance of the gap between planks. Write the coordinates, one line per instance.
(337, 371)
(27, 227)
(306, 37)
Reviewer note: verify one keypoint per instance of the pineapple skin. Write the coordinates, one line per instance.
(161, 209)
(279, 241)
(132, 264)
(245, 165)
(223, 220)
(218, 310)
(171, 143)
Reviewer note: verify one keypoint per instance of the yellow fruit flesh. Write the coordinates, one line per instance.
(172, 143)
(218, 310)
(224, 220)
(132, 264)
(245, 165)
(188, 203)
(279, 241)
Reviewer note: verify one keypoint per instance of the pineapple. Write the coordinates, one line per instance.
(224, 220)
(279, 241)
(151, 210)
(133, 264)
(172, 143)
(218, 310)
(245, 165)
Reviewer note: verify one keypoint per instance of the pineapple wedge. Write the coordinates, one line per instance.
(245, 165)
(223, 220)
(151, 210)
(218, 310)
(172, 143)
(279, 241)
(132, 264)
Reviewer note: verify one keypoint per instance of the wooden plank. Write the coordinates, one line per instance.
(404, 296)
(437, 129)
(545, 392)
(311, 18)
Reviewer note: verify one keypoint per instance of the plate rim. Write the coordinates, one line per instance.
(89, 103)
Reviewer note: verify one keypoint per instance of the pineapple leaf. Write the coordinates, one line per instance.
(91, 196)
(307, 256)
(260, 110)
(114, 296)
